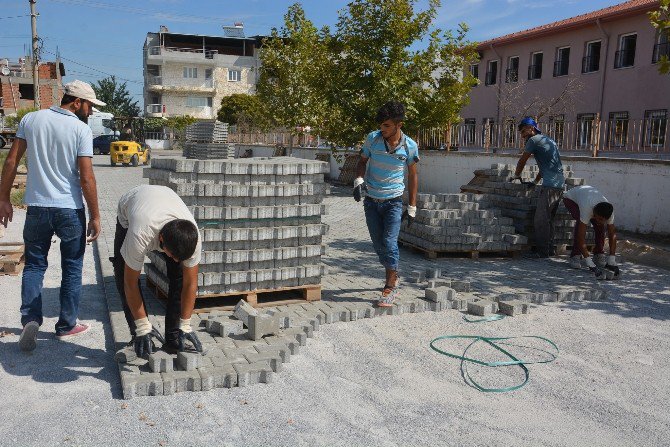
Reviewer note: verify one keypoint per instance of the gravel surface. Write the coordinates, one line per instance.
(370, 382)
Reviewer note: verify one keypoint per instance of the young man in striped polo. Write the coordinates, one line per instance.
(384, 156)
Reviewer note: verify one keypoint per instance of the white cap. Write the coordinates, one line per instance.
(80, 89)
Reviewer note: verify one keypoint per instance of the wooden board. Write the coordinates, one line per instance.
(12, 259)
(472, 254)
(257, 298)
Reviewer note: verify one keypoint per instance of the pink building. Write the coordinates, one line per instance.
(592, 81)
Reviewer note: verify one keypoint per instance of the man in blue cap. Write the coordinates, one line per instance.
(548, 159)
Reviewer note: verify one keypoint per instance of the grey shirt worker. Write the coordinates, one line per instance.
(548, 159)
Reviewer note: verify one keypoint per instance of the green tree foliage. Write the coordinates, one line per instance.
(13, 121)
(242, 110)
(381, 50)
(292, 85)
(660, 20)
(118, 99)
(179, 123)
(154, 124)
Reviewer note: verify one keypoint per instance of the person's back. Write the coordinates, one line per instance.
(55, 139)
(548, 159)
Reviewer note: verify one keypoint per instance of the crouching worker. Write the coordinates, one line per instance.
(154, 218)
(588, 206)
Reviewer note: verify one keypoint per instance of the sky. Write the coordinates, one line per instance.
(97, 38)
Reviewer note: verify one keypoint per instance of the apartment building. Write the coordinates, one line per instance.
(16, 85)
(188, 74)
(592, 80)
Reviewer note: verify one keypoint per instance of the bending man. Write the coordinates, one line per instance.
(154, 218)
(588, 206)
(385, 154)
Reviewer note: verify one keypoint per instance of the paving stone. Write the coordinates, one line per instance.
(262, 325)
(243, 310)
(440, 293)
(189, 361)
(482, 308)
(251, 374)
(217, 377)
(271, 358)
(148, 384)
(125, 355)
(514, 308)
(180, 381)
(433, 273)
(161, 361)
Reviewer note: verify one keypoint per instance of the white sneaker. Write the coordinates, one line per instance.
(576, 262)
(600, 260)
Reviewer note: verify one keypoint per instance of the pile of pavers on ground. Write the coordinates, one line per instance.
(518, 201)
(247, 346)
(260, 220)
(459, 223)
(208, 140)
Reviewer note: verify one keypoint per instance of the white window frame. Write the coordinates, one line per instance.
(190, 72)
(620, 48)
(532, 60)
(234, 75)
(588, 53)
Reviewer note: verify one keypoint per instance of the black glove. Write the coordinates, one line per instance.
(144, 344)
(189, 336)
(358, 188)
(600, 273)
(614, 269)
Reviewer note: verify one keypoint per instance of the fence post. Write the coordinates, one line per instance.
(447, 137)
(596, 143)
(487, 131)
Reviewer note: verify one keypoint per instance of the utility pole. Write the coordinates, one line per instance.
(36, 61)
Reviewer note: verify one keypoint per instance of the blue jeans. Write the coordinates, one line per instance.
(41, 224)
(383, 219)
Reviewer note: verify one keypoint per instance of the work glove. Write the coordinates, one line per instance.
(186, 334)
(144, 335)
(597, 271)
(612, 266)
(358, 188)
(409, 214)
(525, 183)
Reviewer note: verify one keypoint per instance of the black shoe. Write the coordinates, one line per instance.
(171, 348)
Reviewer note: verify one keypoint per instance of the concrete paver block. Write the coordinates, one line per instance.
(180, 381)
(261, 325)
(189, 361)
(440, 293)
(482, 308)
(161, 361)
(243, 310)
(251, 374)
(514, 308)
(217, 377)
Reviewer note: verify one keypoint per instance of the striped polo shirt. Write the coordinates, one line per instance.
(386, 169)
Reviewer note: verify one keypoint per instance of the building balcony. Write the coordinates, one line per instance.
(174, 54)
(155, 110)
(159, 83)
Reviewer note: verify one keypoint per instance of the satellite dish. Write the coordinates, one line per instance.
(4, 71)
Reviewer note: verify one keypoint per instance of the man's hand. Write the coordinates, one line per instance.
(6, 212)
(187, 334)
(144, 335)
(93, 230)
(358, 188)
(612, 266)
(597, 271)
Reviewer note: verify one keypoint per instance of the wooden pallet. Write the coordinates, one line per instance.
(472, 254)
(257, 298)
(12, 259)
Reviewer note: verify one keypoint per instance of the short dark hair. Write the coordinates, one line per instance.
(603, 209)
(180, 237)
(392, 110)
(67, 99)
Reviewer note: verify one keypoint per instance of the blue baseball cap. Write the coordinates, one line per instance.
(528, 121)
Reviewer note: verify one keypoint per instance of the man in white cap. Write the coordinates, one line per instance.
(59, 149)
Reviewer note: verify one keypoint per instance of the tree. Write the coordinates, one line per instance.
(13, 121)
(118, 99)
(660, 20)
(294, 64)
(516, 99)
(242, 110)
(376, 60)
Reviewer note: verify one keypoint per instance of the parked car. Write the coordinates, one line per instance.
(101, 143)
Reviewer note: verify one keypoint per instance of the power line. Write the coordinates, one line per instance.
(94, 69)
(160, 14)
(15, 17)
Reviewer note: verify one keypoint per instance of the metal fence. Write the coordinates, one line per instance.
(587, 134)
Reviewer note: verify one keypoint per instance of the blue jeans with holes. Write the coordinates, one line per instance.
(41, 225)
(383, 219)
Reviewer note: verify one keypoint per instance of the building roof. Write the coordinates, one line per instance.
(621, 10)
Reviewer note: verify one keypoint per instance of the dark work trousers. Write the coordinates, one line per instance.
(547, 206)
(175, 278)
(598, 229)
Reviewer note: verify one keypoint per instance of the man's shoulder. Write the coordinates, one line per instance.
(373, 135)
(411, 144)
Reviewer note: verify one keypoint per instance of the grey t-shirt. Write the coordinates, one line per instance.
(144, 210)
(548, 159)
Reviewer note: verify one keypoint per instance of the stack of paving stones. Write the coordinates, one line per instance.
(518, 202)
(207, 140)
(260, 221)
(248, 346)
(460, 223)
